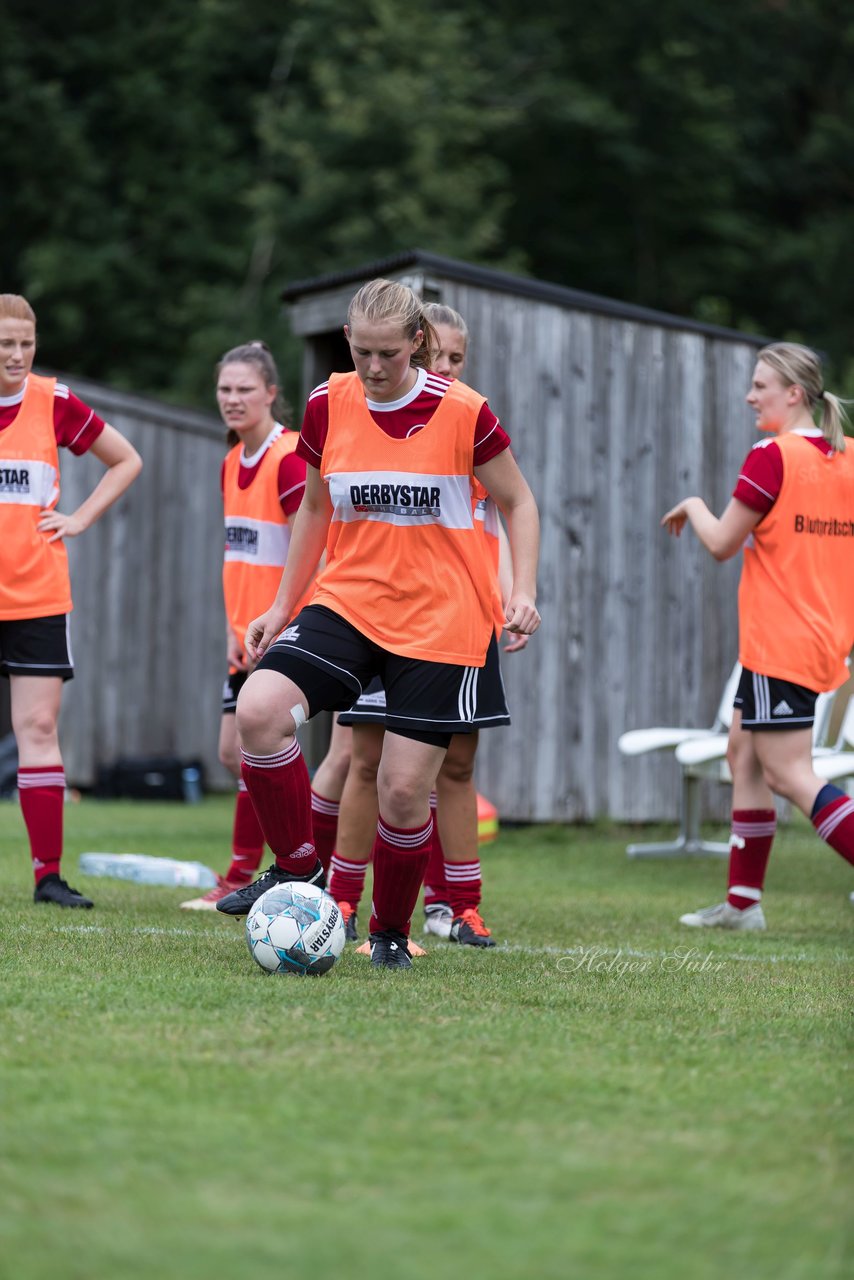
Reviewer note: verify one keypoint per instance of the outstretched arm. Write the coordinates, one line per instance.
(123, 465)
(723, 536)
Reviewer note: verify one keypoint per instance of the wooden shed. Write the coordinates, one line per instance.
(615, 412)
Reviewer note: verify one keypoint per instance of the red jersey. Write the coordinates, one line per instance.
(291, 477)
(75, 425)
(761, 478)
(401, 419)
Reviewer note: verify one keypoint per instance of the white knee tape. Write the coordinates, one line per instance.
(298, 715)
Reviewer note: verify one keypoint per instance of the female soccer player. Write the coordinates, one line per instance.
(263, 481)
(792, 511)
(38, 416)
(405, 595)
(452, 883)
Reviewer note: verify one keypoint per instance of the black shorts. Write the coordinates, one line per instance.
(234, 682)
(768, 703)
(369, 708)
(333, 664)
(36, 647)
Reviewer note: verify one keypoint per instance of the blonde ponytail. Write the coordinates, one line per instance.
(833, 419)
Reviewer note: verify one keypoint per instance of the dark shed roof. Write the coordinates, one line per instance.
(506, 282)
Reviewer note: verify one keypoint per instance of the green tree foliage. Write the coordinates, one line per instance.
(381, 139)
(169, 168)
(690, 157)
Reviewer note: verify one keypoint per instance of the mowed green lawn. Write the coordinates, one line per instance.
(591, 1100)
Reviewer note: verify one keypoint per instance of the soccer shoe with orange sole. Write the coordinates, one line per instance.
(470, 930)
(348, 915)
(208, 901)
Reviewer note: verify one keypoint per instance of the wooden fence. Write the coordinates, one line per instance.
(612, 420)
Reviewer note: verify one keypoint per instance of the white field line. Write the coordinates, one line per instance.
(582, 949)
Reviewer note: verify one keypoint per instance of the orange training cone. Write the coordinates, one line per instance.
(487, 821)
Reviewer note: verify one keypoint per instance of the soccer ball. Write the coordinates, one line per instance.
(295, 928)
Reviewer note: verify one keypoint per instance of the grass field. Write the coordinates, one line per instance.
(590, 1100)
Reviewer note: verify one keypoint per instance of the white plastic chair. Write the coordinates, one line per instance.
(640, 741)
(837, 762)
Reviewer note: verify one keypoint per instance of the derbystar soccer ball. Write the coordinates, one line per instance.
(295, 928)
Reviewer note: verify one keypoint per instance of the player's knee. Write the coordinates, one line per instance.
(365, 768)
(338, 766)
(36, 727)
(734, 759)
(741, 758)
(401, 796)
(259, 727)
(456, 771)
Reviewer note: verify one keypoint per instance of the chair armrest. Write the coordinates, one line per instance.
(834, 764)
(702, 751)
(638, 741)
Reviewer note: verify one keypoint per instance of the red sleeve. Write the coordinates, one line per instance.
(490, 438)
(291, 482)
(77, 426)
(315, 425)
(761, 477)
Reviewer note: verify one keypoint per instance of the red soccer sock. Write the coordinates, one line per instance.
(833, 819)
(247, 839)
(42, 795)
(324, 822)
(400, 857)
(281, 794)
(749, 850)
(464, 885)
(348, 880)
(435, 887)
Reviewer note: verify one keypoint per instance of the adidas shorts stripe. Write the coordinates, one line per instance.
(768, 703)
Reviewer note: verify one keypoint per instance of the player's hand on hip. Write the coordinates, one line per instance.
(59, 526)
(522, 616)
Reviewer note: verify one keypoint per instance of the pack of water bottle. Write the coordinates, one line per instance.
(142, 868)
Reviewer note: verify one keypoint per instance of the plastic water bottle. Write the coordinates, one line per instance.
(144, 869)
(191, 781)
